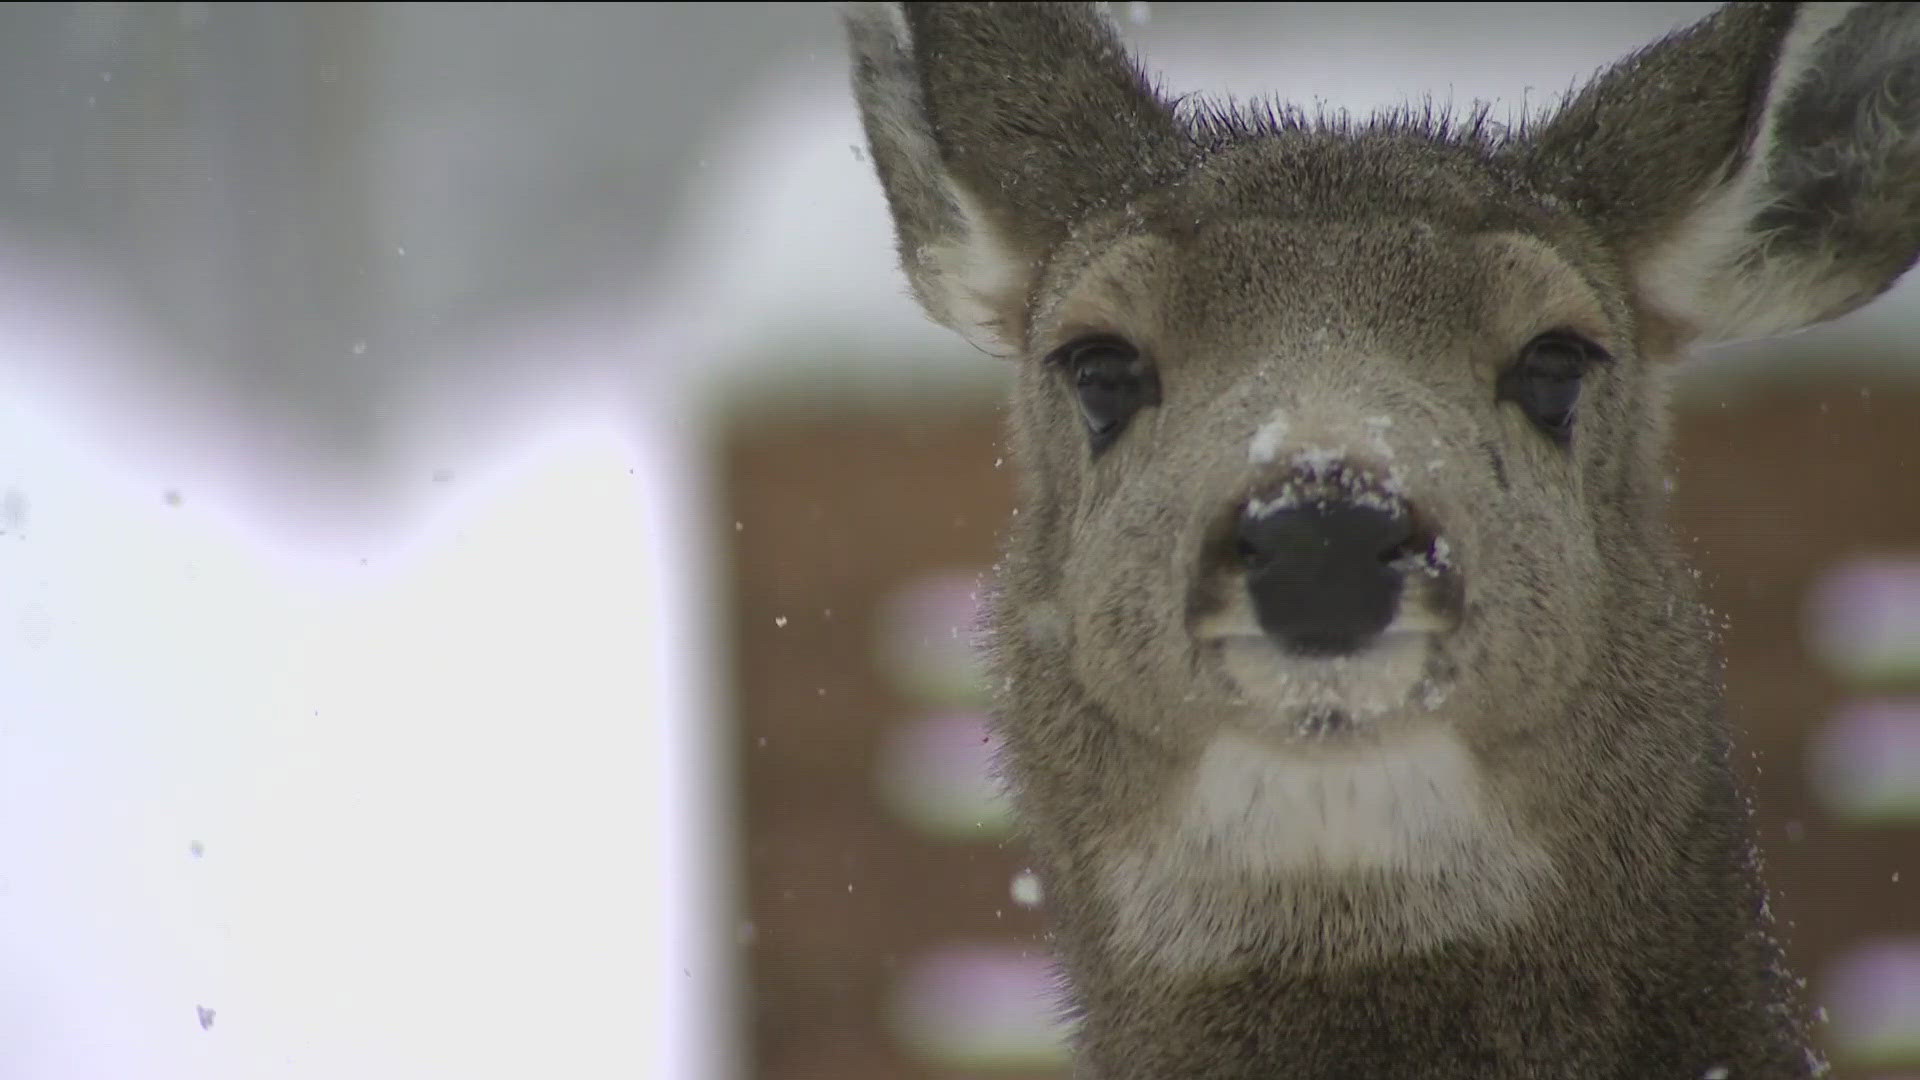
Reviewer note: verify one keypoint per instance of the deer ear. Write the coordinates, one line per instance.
(1760, 171)
(996, 128)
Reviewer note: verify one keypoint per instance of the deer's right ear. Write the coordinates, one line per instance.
(1760, 170)
(995, 128)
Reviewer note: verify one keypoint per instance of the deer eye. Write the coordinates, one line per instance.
(1111, 381)
(1544, 381)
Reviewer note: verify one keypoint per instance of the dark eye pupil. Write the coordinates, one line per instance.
(1552, 397)
(1111, 382)
(1545, 381)
(1107, 394)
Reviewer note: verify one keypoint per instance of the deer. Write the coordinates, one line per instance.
(1357, 704)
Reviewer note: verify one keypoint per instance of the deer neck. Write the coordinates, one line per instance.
(1386, 915)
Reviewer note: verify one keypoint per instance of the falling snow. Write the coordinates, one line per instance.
(13, 512)
(1026, 889)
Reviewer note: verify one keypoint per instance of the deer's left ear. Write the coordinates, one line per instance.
(1759, 172)
(996, 128)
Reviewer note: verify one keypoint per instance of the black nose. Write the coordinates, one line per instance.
(1319, 573)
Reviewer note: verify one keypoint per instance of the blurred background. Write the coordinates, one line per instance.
(486, 548)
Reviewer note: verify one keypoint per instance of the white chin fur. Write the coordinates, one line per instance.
(1243, 855)
(1388, 676)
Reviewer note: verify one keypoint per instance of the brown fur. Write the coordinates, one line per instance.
(1576, 894)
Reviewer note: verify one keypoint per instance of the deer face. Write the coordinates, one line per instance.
(1340, 620)
(1329, 427)
(1341, 569)
(1316, 468)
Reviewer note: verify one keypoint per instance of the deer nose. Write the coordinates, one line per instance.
(1321, 574)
